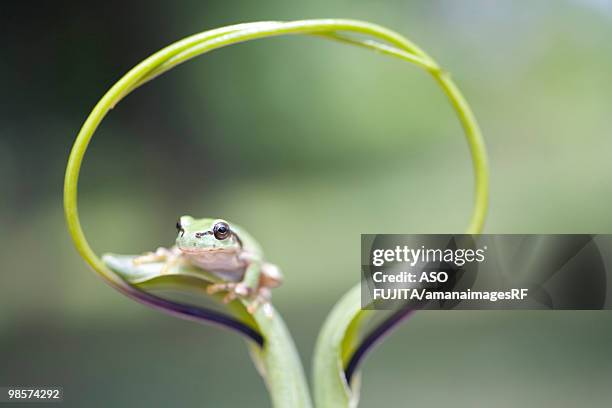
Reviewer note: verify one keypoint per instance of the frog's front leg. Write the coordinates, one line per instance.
(255, 285)
(245, 288)
(271, 277)
(252, 275)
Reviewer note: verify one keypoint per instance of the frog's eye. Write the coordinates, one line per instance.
(221, 231)
(179, 227)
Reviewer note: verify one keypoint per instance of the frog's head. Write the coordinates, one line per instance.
(206, 235)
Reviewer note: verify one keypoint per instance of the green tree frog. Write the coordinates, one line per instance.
(226, 251)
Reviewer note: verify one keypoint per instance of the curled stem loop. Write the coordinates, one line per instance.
(358, 33)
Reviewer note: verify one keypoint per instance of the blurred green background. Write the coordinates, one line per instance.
(306, 143)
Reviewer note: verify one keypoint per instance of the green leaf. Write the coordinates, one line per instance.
(337, 340)
(348, 334)
(276, 360)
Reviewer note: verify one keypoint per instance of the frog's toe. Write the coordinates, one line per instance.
(149, 257)
(231, 295)
(253, 306)
(263, 304)
(262, 299)
(220, 287)
(242, 289)
(268, 310)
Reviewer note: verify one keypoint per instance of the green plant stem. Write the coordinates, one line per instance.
(384, 41)
(477, 150)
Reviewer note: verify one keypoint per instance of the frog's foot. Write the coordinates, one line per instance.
(262, 299)
(160, 255)
(170, 263)
(220, 287)
(231, 295)
(235, 290)
(170, 257)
